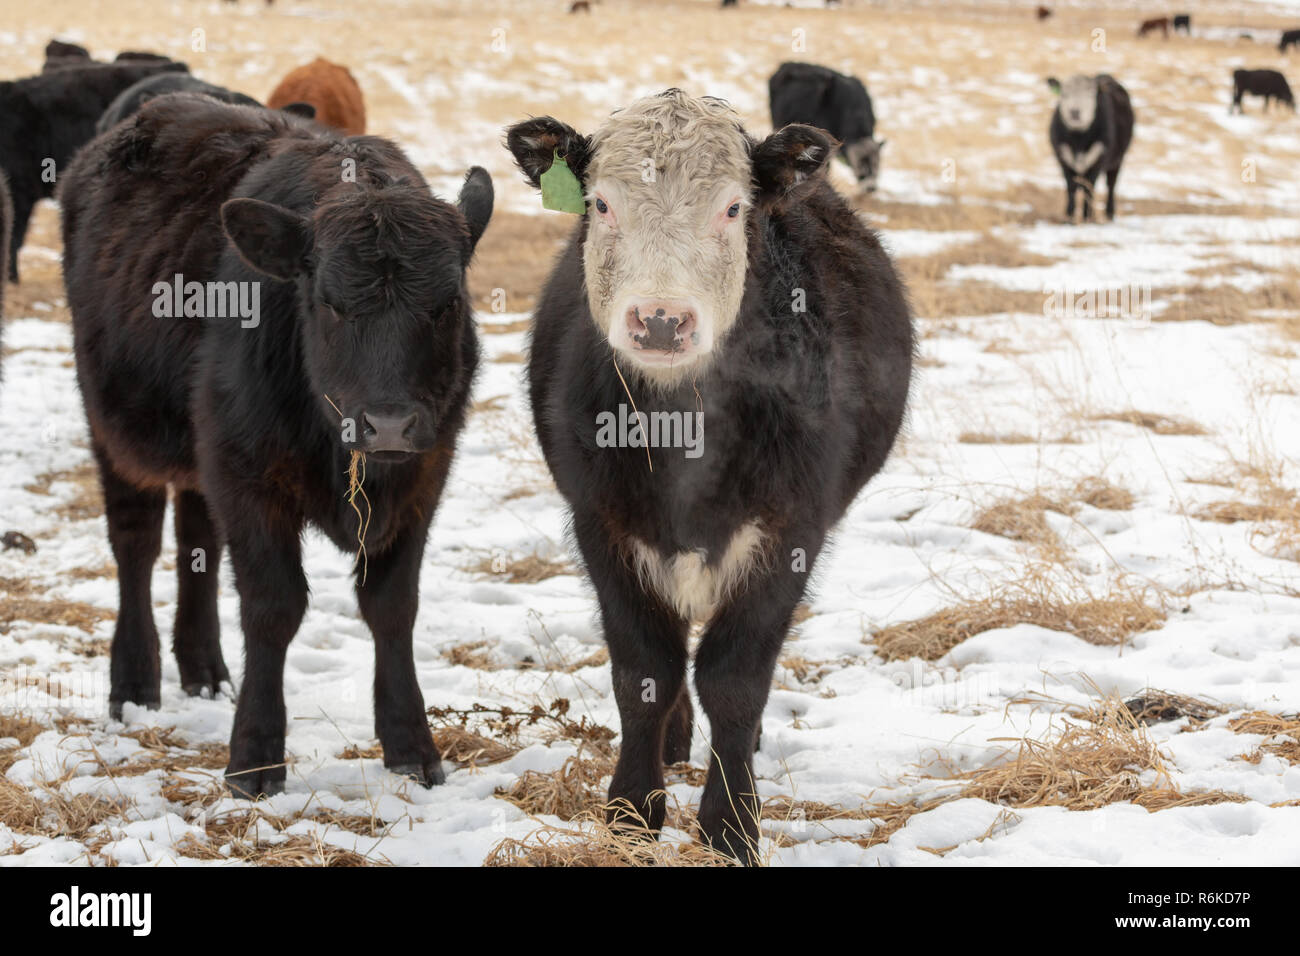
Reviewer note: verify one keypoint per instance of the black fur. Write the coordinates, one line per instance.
(1183, 23)
(799, 411)
(6, 217)
(1112, 126)
(821, 97)
(50, 117)
(1269, 84)
(371, 316)
(129, 101)
(1289, 38)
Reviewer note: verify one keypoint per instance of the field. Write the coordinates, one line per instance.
(1061, 627)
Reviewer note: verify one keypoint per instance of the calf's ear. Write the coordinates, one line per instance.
(271, 239)
(534, 143)
(305, 110)
(475, 203)
(789, 157)
(1054, 85)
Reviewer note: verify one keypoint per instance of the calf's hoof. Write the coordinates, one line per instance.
(117, 701)
(255, 784)
(727, 837)
(425, 774)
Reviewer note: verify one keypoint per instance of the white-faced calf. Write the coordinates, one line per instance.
(720, 276)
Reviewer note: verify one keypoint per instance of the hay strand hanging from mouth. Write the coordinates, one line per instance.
(628, 392)
(356, 483)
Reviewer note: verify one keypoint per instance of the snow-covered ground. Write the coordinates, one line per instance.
(844, 726)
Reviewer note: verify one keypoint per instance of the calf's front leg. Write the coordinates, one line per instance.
(389, 599)
(267, 558)
(733, 675)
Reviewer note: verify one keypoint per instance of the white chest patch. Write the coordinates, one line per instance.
(689, 583)
(1081, 162)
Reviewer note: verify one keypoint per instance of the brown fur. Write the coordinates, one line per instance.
(328, 87)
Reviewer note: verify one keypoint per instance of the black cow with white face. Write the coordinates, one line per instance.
(819, 96)
(333, 332)
(1090, 132)
(718, 286)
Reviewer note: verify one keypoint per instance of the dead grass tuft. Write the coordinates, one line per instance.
(1036, 598)
(596, 844)
(568, 793)
(22, 604)
(1087, 766)
(1282, 731)
(1022, 519)
(1157, 706)
(989, 438)
(1100, 493)
(526, 570)
(473, 654)
(1160, 424)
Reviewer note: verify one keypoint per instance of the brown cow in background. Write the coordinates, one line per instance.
(328, 87)
(1151, 26)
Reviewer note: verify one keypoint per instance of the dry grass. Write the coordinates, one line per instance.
(572, 791)
(1022, 519)
(596, 844)
(1283, 733)
(87, 499)
(1229, 304)
(1100, 493)
(1085, 766)
(1156, 706)
(1276, 506)
(1038, 598)
(1160, 424)
(472, 654)
(525, 570)
(21, 604)
(238, 836)
(990, 438)
(515, 256)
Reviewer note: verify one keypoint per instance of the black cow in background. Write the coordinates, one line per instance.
(1290, 38)
(1091, 129)
(129, 101)
(1183, 24)
(61, 56)
(821, 97)
(6, 217)
(1269, 84)
(45, 119)
(336, 335)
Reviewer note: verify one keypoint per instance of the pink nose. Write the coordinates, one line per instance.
(665, 325)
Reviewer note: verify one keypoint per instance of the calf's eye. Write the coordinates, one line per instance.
(733, 211)
(601, 206)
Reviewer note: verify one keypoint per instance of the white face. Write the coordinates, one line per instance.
(1078, 106)
(665, 253)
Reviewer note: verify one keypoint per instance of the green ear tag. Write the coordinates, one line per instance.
(561, 190)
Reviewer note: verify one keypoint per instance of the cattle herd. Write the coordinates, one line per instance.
(270, 313)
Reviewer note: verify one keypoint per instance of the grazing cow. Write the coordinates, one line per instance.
(1290, 38)
(580, 6)
(1091, 129)
(1154, 24)
(1183, 24)
(1044, 12)
(729, 3)
(839, 104)
(335, 333)
(736, 292)
(1269, 84)
(45, 119)
(329, 88)
(129, 101)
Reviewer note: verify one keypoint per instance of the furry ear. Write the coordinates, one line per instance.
(789, 157)
(535, 142)
(475, 203)
(1054, 85)
(273, 240)
(305, 110)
